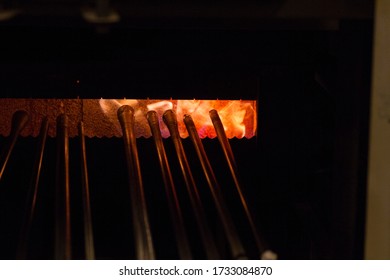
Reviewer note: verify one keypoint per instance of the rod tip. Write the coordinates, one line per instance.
(125, 109)
(188, 119)
(20, 118)
(213, 114)
(213, 111)
(152, 117)
(269, 255)
(169, 116)
(151, 114)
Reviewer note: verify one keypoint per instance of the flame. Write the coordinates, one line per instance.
(199, 111)
(110, 108)
(233, 118)
(100, 115)
(237, 116)
(160, 106)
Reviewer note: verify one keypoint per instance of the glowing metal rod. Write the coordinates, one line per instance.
(170, 120)
(236, 247)
(33, 192)
(173, 202)
(142, 232)
(63, 241)
(227, 150)
(88, 229)
(19, 121)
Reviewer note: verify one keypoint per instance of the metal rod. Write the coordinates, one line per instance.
(236, 247)
(142, 232)
(63, 247)
(33, 192)
(173, 202)
(19, 121)
(170, 120)
(88, 229)
(228, 152)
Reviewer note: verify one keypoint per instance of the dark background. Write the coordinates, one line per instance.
(304, 173)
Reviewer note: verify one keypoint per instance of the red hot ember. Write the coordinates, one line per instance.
(100, 116)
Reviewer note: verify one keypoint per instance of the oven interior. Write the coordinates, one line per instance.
(303, 173)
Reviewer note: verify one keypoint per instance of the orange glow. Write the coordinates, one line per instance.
(237, 116)
(100, 116)
(160, 106)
